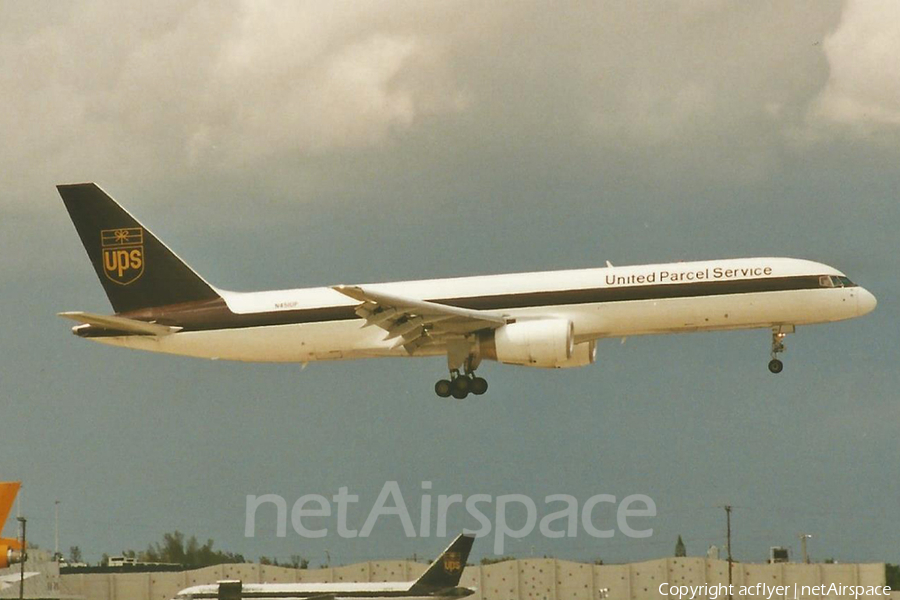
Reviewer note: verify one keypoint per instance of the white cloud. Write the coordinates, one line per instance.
(863, 54)
(349, 97)
(316, 77)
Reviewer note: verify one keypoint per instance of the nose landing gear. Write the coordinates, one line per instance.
(778, 335)
(776, 366)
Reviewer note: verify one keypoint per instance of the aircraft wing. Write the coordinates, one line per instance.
(7, 581)
(414, 323)
(125, 325)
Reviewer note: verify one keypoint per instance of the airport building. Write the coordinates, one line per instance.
(528, 579)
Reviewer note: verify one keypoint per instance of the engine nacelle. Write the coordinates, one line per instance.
(548, 343)
(9, 556)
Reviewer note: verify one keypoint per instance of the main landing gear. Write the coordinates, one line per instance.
(778, 335)
(461, 385)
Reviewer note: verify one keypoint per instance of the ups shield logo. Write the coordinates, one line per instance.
(123, 254)
(452, 562)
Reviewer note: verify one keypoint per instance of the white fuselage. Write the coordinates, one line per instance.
(623, 301)
(296, 591)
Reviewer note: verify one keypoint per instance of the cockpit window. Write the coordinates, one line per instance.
(835, 281)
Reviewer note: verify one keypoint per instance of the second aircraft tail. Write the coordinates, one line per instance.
(445, 571)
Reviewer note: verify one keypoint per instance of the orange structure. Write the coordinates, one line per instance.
(10, 549)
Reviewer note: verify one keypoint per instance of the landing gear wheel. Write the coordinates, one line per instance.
(776, 366)
(442, 388)
(478, 385)
(459, 387)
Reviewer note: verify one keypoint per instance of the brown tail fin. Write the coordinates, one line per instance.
(445, 571)
(136, 269)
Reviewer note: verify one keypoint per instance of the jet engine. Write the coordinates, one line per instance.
(548, 343)
(584, 354)
(9, 556)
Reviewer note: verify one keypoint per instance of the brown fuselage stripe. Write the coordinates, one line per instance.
(215, 314)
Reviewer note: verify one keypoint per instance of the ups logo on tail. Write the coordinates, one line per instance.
(123, 254)
(452, 562)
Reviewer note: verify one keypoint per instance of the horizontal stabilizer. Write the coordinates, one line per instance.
(113, 323)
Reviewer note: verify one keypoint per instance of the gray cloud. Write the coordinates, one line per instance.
(166, 92)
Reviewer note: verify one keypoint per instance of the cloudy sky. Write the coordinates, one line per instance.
(306, 143)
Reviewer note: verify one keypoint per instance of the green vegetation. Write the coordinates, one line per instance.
(190, 553)
(892, 576)
(491, 561)
(295, 562)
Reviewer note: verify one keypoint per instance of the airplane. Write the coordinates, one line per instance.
(440, 580)
(11, 551)
(550, 319)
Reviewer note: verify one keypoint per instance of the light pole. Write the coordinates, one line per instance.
(56, 550)
(728, 534)
(24, 558)
(803, 537)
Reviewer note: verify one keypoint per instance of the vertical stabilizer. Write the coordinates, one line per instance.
(135, 268)
(446, 570)
(8, 491)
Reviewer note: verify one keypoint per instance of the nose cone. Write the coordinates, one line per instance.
(865, 302)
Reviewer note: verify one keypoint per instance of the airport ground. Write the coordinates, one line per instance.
(528, 579)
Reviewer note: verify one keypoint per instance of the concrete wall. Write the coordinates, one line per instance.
(537, 579)
(43, 585)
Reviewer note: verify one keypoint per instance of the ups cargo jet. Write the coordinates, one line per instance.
(550, 319)
(440, 580)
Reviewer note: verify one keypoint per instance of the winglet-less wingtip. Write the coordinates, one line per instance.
(125, 325)
(350, 291)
